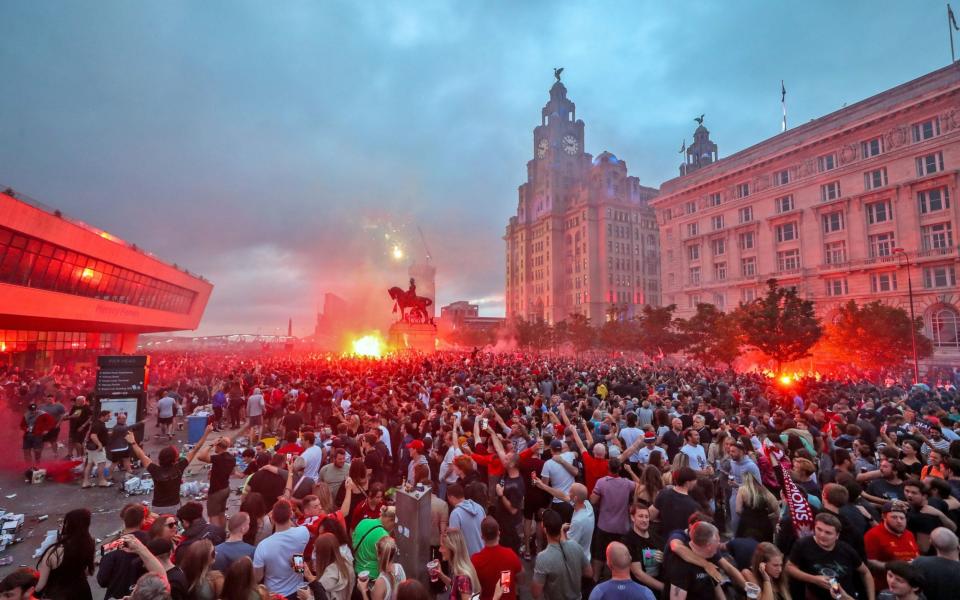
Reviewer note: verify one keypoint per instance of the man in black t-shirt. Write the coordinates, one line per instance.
(673, 506)
(96, 448)
(889, 487)
(646, 549)
(222, 467)
(79, 420)
(269, 482)
(814, 557)
(922, 518)
(687, 580)
(673, 438)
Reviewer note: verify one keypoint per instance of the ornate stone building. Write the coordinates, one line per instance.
(584, 239)
(835, 207)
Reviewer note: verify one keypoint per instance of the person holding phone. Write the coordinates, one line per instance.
(275, 559)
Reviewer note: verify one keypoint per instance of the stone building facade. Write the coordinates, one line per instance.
(584, 239)
(836, 207)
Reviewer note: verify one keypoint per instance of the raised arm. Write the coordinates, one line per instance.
(137, 450)
(196, 449)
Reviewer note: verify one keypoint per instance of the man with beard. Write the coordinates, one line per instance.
(889, 541)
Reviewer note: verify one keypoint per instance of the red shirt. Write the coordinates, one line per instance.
(594, 468)
(489, 562)
(293, 449)
(885, 546)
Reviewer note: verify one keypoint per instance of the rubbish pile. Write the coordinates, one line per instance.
(10, 526)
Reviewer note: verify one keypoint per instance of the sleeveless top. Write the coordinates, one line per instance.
(68, 581)
(398, 576)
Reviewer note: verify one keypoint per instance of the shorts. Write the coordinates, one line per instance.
(32, 442)
(217, 502)
(255, 420)
(96, 457)
(77, 437)
(564, 508)
(52, 435)
(602, 539)
(531, 506)
(164, 420)
(118, 455)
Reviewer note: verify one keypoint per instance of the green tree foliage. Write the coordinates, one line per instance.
(533, 334)
(657, 330)
(873, 336)
(580, 332)
(781, 324)
(711, 335)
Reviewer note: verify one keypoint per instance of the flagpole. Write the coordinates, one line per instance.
(950, 18)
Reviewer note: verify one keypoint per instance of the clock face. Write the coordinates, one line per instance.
(542, 148)
(570, 145)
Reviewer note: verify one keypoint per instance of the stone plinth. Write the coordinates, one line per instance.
(421, 337)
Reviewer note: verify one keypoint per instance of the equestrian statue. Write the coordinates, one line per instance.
(408, 299)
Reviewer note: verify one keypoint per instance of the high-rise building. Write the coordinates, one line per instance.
(584, 239)
(835, 207)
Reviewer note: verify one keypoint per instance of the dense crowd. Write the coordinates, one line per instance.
(562, 477)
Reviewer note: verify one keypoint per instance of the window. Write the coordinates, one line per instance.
(872, 147)
(933, 200)
(746, 214)
(883, 282)
(788, 260)
(713, 199)
(835, 253)
(671, 279)
(742, 190)
(830, 191)
(717, 222)
(833, 222)
(881, 244)
(929, 164)
(719, 271)
(748, 294)
(748, 266)
(693, 277)
(827, 162)
(690, 207)
(943, 325)
(926, 130)
(937, 236)
(719, 247)
(781, 177)
(719, 300)
(784, 204)
(693, 252)
(746, 240)
(787, 231)
(694, 300)
(939, 277)
(879, 212)
(875, 179)
(836, 287)
(692, 229)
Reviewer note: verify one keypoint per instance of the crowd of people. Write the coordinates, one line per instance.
(557, 477)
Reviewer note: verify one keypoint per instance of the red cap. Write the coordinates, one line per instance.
(415, 445)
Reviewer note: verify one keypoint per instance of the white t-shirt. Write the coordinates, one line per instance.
(273, 556)
(312, 458)
(166, 407)
(446, 472)
(630, 435)
(559, 477)
(581, 527)
(645, 452)
(255, 406)
(385, 438)
(698, 458)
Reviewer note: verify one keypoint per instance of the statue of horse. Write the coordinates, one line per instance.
(417, 306)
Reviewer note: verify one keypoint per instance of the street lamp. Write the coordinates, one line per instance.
(913, 326)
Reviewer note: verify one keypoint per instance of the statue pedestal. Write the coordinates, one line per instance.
(421, 337)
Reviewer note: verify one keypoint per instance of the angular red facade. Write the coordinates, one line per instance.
(70, 290)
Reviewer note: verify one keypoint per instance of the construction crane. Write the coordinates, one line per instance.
(426, 247)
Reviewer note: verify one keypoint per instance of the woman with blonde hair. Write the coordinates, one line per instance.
(202, 583)
(758, 510)
(767, 571)
(391, 573)
(463, 581)
(680, 460)
(333, 570)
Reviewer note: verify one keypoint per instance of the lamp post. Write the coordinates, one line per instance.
(913, 326)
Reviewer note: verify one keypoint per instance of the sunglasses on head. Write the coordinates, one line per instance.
(172, 525)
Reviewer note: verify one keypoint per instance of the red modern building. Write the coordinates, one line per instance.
(69, 291)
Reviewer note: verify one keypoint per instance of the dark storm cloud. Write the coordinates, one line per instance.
(270, 145)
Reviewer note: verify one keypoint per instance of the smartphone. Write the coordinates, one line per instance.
(111, 546)
(505, 581)
(298, 563)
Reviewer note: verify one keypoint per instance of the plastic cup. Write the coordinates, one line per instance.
(752, 590)
(363, 576)
(433, 569)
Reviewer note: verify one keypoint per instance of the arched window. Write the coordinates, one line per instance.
(943, 325)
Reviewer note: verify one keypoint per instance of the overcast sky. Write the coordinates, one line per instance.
(272, 146)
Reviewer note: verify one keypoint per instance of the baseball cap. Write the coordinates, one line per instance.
(415, 445)
(894, 507)
(649, 437)
(556, 445)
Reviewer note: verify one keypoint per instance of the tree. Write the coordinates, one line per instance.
(657, 330)
(781, 324)
(533, 334)
(711, 336)
(874, 336)
(580, 333)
